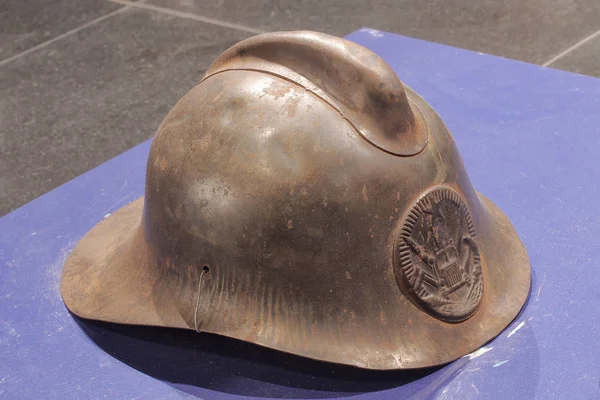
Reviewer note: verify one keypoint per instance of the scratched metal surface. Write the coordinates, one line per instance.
(529, 138)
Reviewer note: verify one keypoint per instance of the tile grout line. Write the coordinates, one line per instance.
(570, 49)
(187, 15)
(63, 35)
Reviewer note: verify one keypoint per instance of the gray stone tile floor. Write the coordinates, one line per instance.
(82, 81)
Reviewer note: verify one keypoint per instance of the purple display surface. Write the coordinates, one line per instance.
(530, 140)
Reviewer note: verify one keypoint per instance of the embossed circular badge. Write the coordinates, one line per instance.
(437, 259)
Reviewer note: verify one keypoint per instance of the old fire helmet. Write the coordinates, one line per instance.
(300, 197)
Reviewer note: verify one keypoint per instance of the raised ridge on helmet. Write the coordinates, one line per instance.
(352, 79)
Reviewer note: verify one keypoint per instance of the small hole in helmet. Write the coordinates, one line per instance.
(205, 269)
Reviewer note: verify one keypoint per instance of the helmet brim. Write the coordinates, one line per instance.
(110, 276)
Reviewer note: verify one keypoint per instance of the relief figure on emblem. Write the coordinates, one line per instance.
(440, 257)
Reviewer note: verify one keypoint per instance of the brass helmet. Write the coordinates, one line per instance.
(300, 197)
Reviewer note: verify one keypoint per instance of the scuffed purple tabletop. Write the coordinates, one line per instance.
(530, 139)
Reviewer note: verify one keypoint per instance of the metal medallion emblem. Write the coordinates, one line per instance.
(437, 260)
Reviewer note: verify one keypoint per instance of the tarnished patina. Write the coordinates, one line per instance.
(303, 199)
